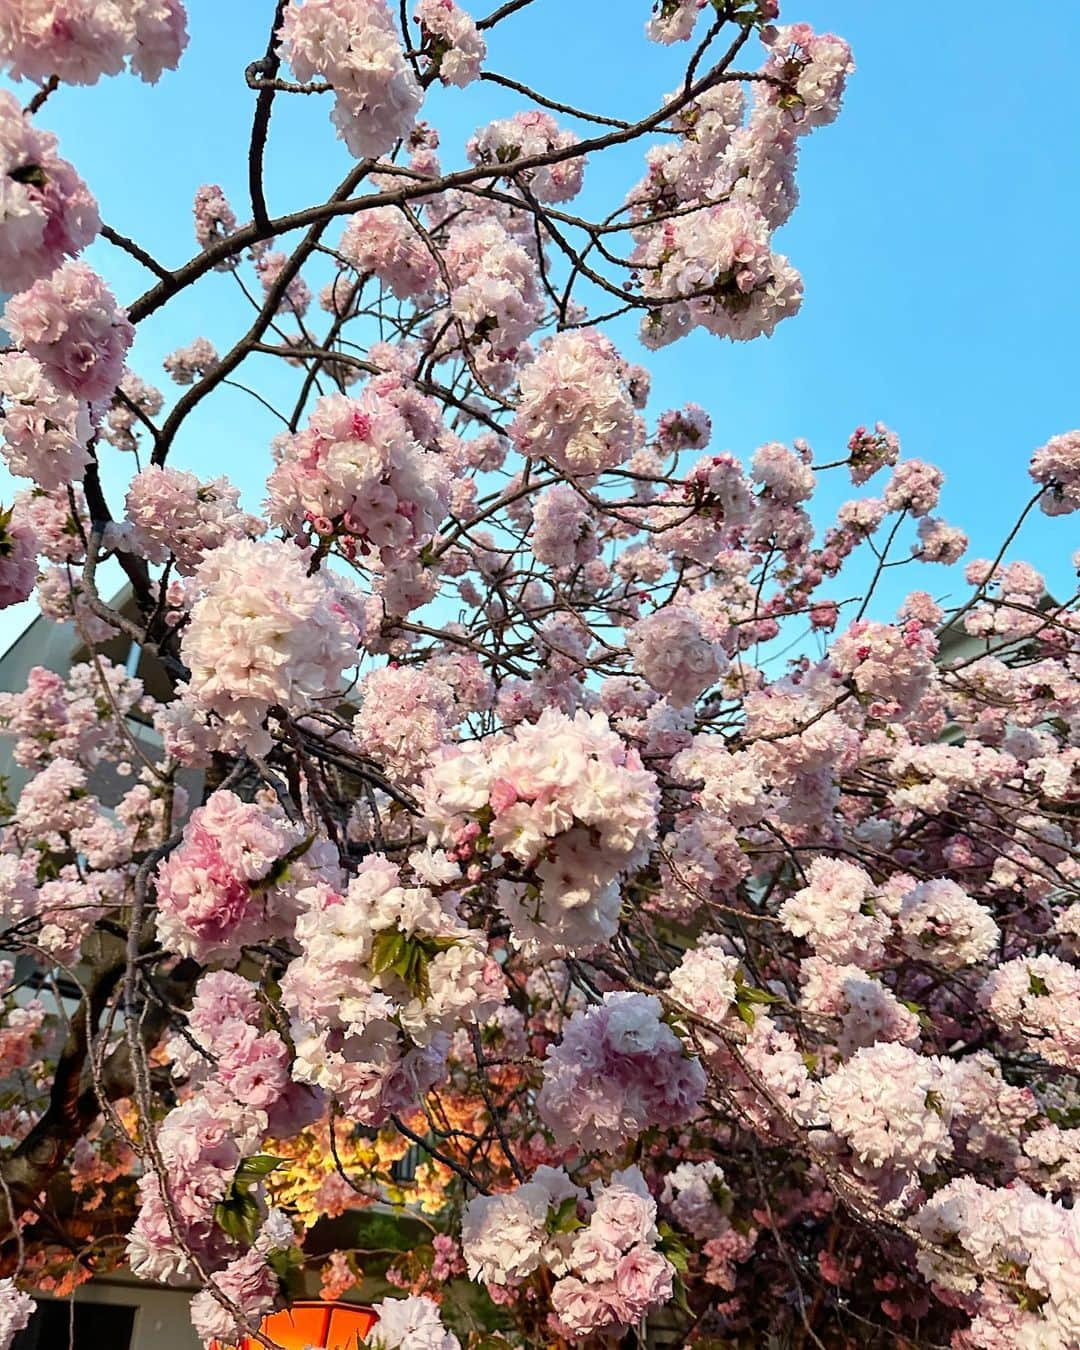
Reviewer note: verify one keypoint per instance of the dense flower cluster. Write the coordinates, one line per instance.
(19, 547)
(205, 1143)
(527, 135)
(15, 1311)
(839, 912)
(215, 219)
(81, 40)
(575, 408)
(384, 243)
(716, 269)
(249, 1284)
(1057, 467)
(563, 534)
(46, 211)
(505, 1237)
(132, 410)
(53, 718)
(871, 451)
(292, 293)
(172, 514)
(890, 666)
(368, 469)
(1018, 1262)
(1038, 998)
(354, 46)
(610, 1270)
(72, 325)
(288, 638)
(411, 1323)
(405, 714)
(565, 800)
(673, 655)
(495, 294)
(226, 885)
(195, 360)
(617, 1273)
(889, 1105)
(45, 430)
(617, 1071)
(456, 47)
(386, 971)
(815, 65)
(674, 20)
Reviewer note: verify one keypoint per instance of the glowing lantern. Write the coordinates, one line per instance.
(330, 1326)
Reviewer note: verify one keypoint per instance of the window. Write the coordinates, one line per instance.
(96, 1326)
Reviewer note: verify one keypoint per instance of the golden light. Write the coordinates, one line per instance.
(329, 1326)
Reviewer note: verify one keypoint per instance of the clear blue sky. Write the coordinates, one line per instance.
(936, 234)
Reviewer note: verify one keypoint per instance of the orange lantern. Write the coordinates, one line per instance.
(330, 1326)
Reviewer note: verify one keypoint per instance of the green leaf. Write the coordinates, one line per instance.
(387, 949)
(745, 1013)
(678, 1258)
(287, 1263)
(565, 1218)
(718, 1191)
(408, 957)
(413, 969)
(283, 1259)
(679, 1297)
(673, 1248)
(256, 1167)
(1037, 984)
(239, 1216)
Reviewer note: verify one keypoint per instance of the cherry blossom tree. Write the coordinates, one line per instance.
(536, 952)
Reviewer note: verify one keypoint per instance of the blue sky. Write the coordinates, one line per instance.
(936, 236)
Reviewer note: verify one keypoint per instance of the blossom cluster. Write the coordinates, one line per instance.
(228, 883)
(617, 1071)
(288, 638)
(609, 1268)
(457, 49)
(71, 324)
(411, 1323)
(79, 40)
(386, 970)
(171, 513)
(576, 410)
(19, 547)
(16, 1309)
(527, 135)
(46, 211)
(368, 468)
(208, 1148)
(353, 45)
(45, 429)
(565, 800)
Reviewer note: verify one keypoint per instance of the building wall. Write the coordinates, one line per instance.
(162, 1321)
(161, 1317)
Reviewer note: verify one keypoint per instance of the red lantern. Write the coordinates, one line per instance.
(330, 1326)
